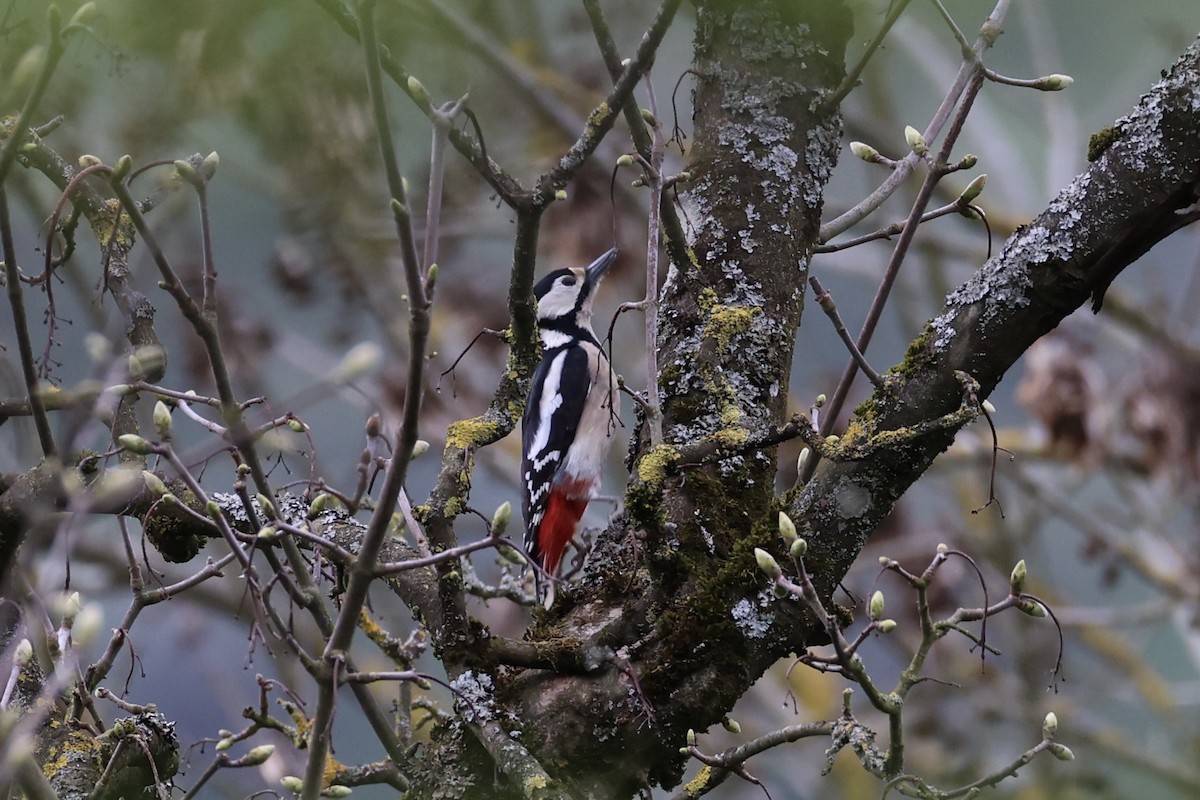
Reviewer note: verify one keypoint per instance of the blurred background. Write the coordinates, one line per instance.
(1096, 485)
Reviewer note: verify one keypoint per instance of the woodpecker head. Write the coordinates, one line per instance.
(564, 297)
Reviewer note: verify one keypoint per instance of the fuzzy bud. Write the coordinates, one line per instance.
(968, 161)
(875, 607)
(974, 189)
(296, 425)
(1053, 83)
(942, 548)
(767, 563)
(865, 152)
(319, 504)
(267, 532)
(208, 167)
(134, 443)
(1016, 581)
(420, 448)
(731, 725)
(885, 625)
(988, 407)
(649, 118)
(560, 194)
(625, 161)
(501, 518)
(916, 142)
(267, 506)
(154, 484)
(820, 401)
(798, 548)
(224, 745)
(787, 528)
(257, 756)
(213, 509)
(188, 173)
(122, 169)
(162, 420)
(337, 791)
(83, 15)
(24, 653)
(691, 738)
(1050, 725)
(802, 459)
(292, 784)
(1032, 608)
(1061, 752)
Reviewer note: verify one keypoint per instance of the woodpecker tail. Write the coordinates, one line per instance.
(564, 509)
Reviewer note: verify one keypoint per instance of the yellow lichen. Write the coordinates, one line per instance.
(700, 784)
(652, 469)
(725, 322)
(534, 783)
(471, 433)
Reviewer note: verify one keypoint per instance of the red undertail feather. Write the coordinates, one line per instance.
(564, 509)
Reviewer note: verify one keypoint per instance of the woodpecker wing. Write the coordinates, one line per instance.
(547, 429)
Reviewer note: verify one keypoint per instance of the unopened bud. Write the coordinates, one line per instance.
(820, 401)
(942, 548)
(832, 439)
(223, 745)
(1061, 752)
(257, 756)
(560, 194)
(319, 504)
(188, 173)
(134, 443)
(337, 791)
(208, 167)
(1016, 581)
(420, 448)
(24, 653)
(649, 118)
(691, 738)
(875, 607)
(88, 160)
(154, 484)
(83, 15)
(267, 532)
(864, 151)
(431, 277)
(292, 784)
(767, 563)
(1032, 607)
(802, 459)
(974, 189)
(916, 142)
(1050, 725)
(731, 725)
(122, 169)
(296, 425)
(798, 548)
(787, 528)
(501, 518)
(213, 509)
(267, 506)
(625, 161)
(988, 407)
(968, 161)
(885, 625)
(1053, 83)
(162, 420)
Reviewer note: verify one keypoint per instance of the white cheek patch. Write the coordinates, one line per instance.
(558, 302)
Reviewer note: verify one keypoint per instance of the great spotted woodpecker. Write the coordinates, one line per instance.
(567, 426)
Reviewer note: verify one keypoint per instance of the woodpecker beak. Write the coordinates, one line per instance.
(595, 270)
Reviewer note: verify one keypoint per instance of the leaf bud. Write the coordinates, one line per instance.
(267, 532)
(767, 563)
(560, 194)
(224, 745)
(87, 160)
(691, 737)
(154, 484)
(122, 169)
(787, 528)
(1053, 83)
(798, 548)
(501, 518)
(213, 509)
(875, 607)
(292, 784)
(988, 407)
(134, 443)
(864, 151)
(208, 167)
(974, 189)
(420, 448)
(1061, 752)
(649, 118)
(257, 756)
(431, 277)
(885, 625)
(625, 161)
(337, 791)
(731, 724)
(267, 506)
(1032, 607)
(968, 161)
(820, 401)
(1016, 581)
(24, 653)
(359, 360)
(916, 142)
(162, 419)
(188, 173)
(296, 425)
(942, 548)
(319, 504)
(1050, 725)
(802, 459)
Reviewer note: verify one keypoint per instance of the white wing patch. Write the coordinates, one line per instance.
(550, 401)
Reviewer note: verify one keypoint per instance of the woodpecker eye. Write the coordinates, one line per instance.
(567, 280)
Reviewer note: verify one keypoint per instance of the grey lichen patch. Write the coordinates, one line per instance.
(752, 621)
(852, 500)
(475, 692)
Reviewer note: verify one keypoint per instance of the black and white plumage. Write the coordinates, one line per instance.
(566, 430)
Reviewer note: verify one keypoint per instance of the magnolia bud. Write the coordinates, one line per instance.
(122, 169)
(292, 784)
(419, 93)
(266, 505)
(802, 459)
(1016, 581)
(942, 548)
(257, 755)
(787, 528)
(134, 443)
(731, 725)
(500, 518)
(820, 401)
(223, 745)
(1053, 83)
(188, 173)
(296, 425)
(208, 167)
(267, 532)
(974, 189)
(336, 791)
(875, 607)
(319, 504)
(648, 118)
(162, 420)
(767, 563)
(988, 407)
(864, 151)
(968, 161)
(560, 194)
(420, 448)
(625, 161)
(691, 738)
(885, 625)
(83, 15)
(798, 548)
(154, 484)
(24, 653)
(1061, 752)
(1032, 608)
(1050, 725)
(916, 142)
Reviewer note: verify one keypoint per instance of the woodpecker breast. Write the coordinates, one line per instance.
(569, 416)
